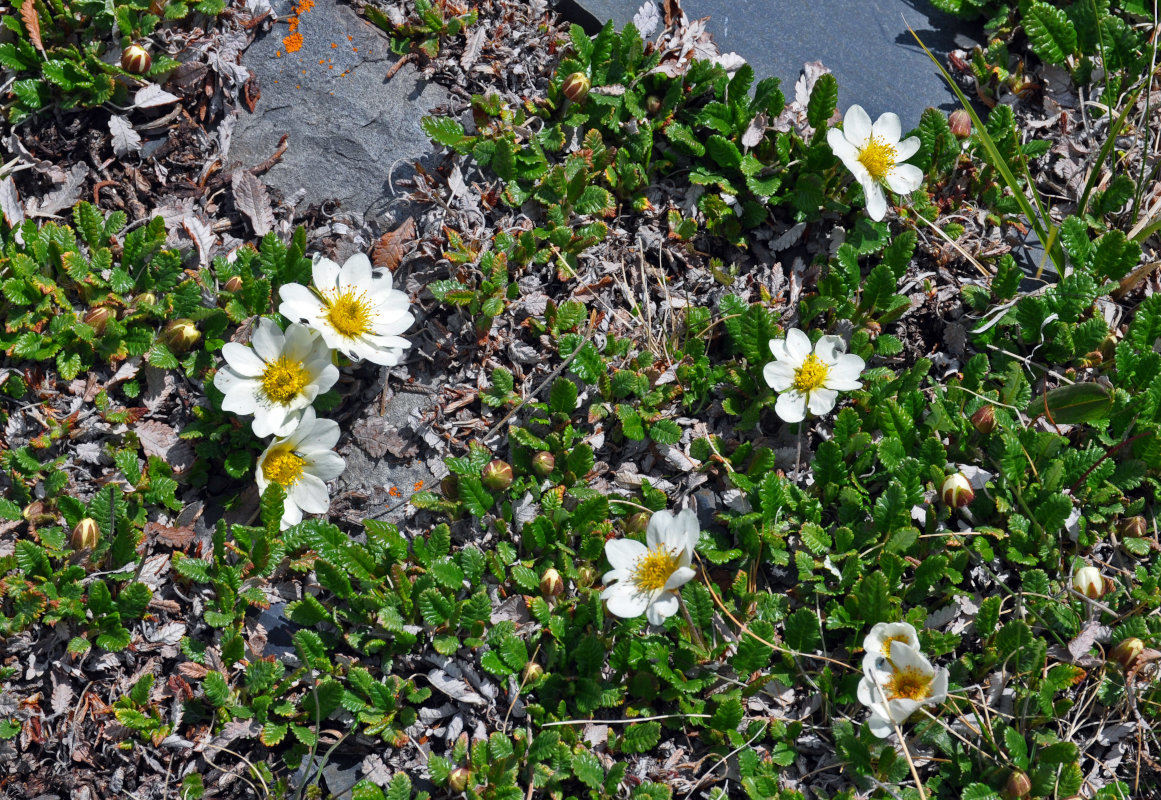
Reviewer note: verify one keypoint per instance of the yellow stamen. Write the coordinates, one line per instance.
(878, 157)
(283, 380)
(349, 312)
(652, 570)
(909, 684)
(811, 375)
(283, 466)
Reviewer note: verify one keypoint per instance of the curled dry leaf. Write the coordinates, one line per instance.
(252, 200)
(125, 139)
(31, 23)
(391, 247)
(10, 205)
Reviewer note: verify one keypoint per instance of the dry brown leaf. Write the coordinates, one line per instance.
(178, 538)
(32, 23)
(191, 669)
(64, 197)
(391, 247)
(10, 205)
(252, 200)
(377, 437)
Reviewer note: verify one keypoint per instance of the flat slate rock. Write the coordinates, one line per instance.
(865, 43)
(350, 128)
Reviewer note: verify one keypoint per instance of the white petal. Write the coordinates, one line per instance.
(624, 601)
(779, 375)
(876, 202)
(877, 638)
(797, 345)
(241, 399)
(226, 379)
(299, 342)
(887, 128)
(904, 656)
(659, 530)
(843, 150)
(321, 437)
(325, 273)
(298, 302)
(791, 406)
(829, 348)
(900, 710)
(880, 727)
(690, 527)
(327, 466)
(662, 608)
(310, 494)
(271, 422)
(939, 687)
(906, 148)
(778, 348)
(821, 401)
(844, 374)
(680, 577)
(905, 178)
(267, 340)
(356, 271)
(327, 378)
(868, 693)
(857, 126)
(624, 553)
(243, 360)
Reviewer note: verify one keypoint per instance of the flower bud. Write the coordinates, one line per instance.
(498, 475)
(586, 576)
(144, 299)
(1018, 786)
(96, 318)
(533, 672)
(543, 463)
(652, 104)
(575, 87)
(457, 779)
(85, 534)
(1132, 528)
(233, 284)
(984, 420)
(180, 335)
(957, 491)
(960, 123)
(450, 486)
(136, 60)
(551, 584)
(1089, 582)
(637, 523)
(1127, 651)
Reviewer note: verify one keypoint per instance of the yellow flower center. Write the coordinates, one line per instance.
(349, 312)
(878, 157)
(283, 466)
(811, 375)
(652, 570)
(283, 380)
(908, 683)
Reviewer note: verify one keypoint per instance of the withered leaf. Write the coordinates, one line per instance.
(176, 537)
(31, 23)
(10, 205)
(391, 247)
(378, 437)
(125, 139)
(252, 200)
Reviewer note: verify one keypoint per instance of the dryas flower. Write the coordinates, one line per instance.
(810, 379)
(875, 155)
(645, 577)
(895, 693)
(882, 636)
(277, 378)
(302, 463)
(354, 308)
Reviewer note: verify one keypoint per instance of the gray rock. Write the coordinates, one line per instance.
(351, 130)
(865, 43)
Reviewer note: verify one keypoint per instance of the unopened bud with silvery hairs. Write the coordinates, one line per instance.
(575, 87)
(957, 491)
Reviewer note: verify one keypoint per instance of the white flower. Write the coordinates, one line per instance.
(895, 693)
(882, 636)
(875, 155)
(302, 463)
(810, 380)
(354, 308)
(276, 379)
(647, 575)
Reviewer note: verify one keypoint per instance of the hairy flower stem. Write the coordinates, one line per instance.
(689, 620)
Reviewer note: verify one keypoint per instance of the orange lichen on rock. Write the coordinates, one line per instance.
(293, 42)
(303, 6)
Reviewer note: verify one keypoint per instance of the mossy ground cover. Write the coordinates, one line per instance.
(755, 477)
